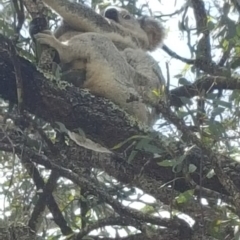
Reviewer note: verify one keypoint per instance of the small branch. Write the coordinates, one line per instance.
(207, 83)
(39, 13)
(177, 12)
(51, 203)
(175, 55)
(19, 10)
(43, 135)
(203, 46)
(35, 220)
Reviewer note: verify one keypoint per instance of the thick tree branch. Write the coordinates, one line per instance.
(75, 107)
(101, 120)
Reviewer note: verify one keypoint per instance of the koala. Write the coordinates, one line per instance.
(144, 33)
(112, 48)
(107, 72)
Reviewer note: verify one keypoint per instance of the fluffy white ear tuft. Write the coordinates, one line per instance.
(154, 30)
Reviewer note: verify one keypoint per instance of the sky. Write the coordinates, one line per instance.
(175, 40)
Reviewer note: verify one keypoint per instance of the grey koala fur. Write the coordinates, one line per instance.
(113, 53)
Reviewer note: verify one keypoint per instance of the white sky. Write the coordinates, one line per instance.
(174, 40)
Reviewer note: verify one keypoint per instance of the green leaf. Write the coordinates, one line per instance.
(152, 149)
(225, 45)
(132, 156)
(178, 164)
(210, 174)
(182, 114)
(216, 228)
(119, 145)
(210, 25)
(185, 196)
(88, 238)
(224, 103)
(183, 81)
(178, 76)
(216, 128)
(166, 163)
(217, 111)
(186, 101)
(231, 29)
(238, 30)
(143, 142)
(6, 29)
(186, 68)
(191, 168)
(35, 199)
(212, 96)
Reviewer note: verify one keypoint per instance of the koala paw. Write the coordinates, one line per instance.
(46, 38)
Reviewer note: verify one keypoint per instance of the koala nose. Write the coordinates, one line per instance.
(112, 14)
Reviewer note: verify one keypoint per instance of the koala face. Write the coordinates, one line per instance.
(148, 29)
(122, 17)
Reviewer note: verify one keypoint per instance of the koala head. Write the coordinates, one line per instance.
(144, 26)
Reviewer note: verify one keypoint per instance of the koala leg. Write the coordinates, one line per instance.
(107, 72)
(80, 16)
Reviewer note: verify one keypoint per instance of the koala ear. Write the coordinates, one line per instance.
(154, 31)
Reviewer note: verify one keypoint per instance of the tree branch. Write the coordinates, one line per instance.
(207, 83)
(46, 198)
(102, 121)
